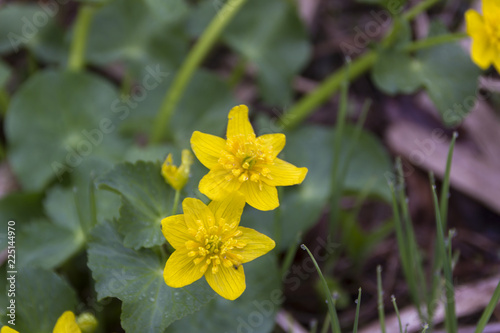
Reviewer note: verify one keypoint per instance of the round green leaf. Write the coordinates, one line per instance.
(56, 121)
(136, 278)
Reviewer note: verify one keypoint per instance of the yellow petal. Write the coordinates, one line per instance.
(229, 282)
(67, 324)
(7, 329)
(482, 52)
(215, 185)
(264, 197)
(207, 148)
(175, 230)
(276, 141)
(238, 123)
(257, 244)
(180, 269)
(475, 23)
(285, 174)
(229, 209)
(195, 210)
(491, 10)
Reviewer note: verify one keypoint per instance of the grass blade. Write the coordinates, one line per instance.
(445, 189)
(356, 317)
(489, 310)
(380, 306)
(330, 301)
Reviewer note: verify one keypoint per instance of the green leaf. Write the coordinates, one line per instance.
(253, 311)
(19, 207)
(139, 33)
(310, 146)
(136, 278)
(396, 72)
(268, 34)
(74, 121)
(271, 35)
(49, 242)
(450, 79)
(41, 298)
(206, 113)
(445, 71)
(33, 27)
(146, 199)
(170, 10)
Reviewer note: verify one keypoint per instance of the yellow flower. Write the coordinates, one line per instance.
(7, 329)
(177, 177)
(65, 324)
(208, 241)
(485, 33)
(244, 163)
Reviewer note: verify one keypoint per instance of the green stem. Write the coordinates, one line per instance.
(330, 301)
(489, 310)
(176, 201)
(324, 91)
(450, 314)
(434, 41)
(299, 111)
(445, 189)
(397, 313)
(79, 42)
(193, 60)
(419, 8)
(380, 301)
(356, 316)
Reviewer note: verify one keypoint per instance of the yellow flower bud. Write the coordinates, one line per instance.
(87, 322)
(177, 177)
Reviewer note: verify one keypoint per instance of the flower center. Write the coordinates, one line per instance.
(212, 247)
(246, 159)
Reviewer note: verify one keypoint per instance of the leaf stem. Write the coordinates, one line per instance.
(193, 60)
(81, 28)
(299, 111)
(176, 201)
(434, 41)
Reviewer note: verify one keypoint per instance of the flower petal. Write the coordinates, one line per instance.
(67, 324)
(257, 244)
(491, 10)
(475, 23)
(215, 185)
(229, 282)
(207, 148)
(285, 174)
(195, 210)
(276, 141)
(264, 197)
(229, 209)
(175, 230)
(7, 329)
(238, 123)
(180, 269)
(482, 52)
